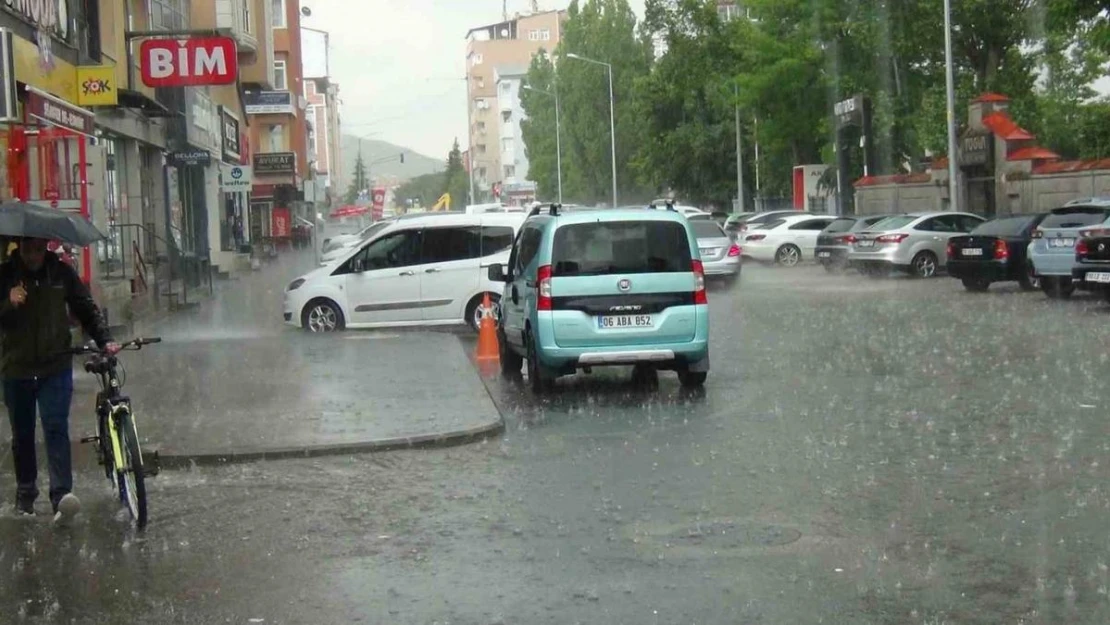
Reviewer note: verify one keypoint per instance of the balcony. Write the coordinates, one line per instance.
(235, 15)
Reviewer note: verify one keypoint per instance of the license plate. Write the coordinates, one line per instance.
(824, 254)
(707, 251)
(1098, 276)
(606, 322)
(1061, 242)
(972, 251)
(866, 243)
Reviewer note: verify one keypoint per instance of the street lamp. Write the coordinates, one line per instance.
(950, 93)
(612, 123)
(558, 132)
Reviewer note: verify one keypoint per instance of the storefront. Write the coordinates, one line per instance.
(273, 195)
(43, 132)
(235, 186)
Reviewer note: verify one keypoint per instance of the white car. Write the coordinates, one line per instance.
(341, 245)
(426, 270)
(786, 240)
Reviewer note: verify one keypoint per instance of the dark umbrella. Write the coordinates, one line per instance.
(20, 219)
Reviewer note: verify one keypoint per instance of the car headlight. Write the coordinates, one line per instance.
(294, 285)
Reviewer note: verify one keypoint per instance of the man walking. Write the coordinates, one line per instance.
(39, 293)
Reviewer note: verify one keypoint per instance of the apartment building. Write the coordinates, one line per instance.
(322, 120)
(502, 46)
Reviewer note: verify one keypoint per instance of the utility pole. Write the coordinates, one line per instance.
(739, 154)
(950, 87)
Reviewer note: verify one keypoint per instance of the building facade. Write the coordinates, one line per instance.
(322, 120)
(507, 46)
(515, 186)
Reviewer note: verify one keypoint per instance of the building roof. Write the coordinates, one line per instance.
(1032, 153)
(1062, 167)
(991, 97)
(510, 21)
(1001, 125)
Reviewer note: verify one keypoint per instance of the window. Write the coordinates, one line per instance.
(966, 223)
(507, 144)
(510, 171)
(248, 25)
(1075, 217)
(476, 58)
(481, 126)
(481, 82)
(280, 80)
(496, 239)
(938, 224)
(1006, 226)
(481, 148)
(507, 116)
(277, 138)
(545, 35)
(506, 88)
(277, 17)
(90, 30)
(533, 35)
(526, 250)
(705, 229)
(443, 245)
(606, 248)
(811, 224)
(167, 15)
(399, 249)
(482, 170)
(844, 224)
(481, 104)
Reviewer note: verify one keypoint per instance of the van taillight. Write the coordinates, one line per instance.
(1001, 250)
(1082, 249)
(543, 288)
(700, 296)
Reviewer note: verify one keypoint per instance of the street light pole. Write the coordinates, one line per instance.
(558, 133)
(739, 155)
(950, 87)
(612, 118)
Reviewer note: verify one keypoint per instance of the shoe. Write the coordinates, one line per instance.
(68, 507)
(24, 508)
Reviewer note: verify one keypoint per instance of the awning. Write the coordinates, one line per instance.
(129, 98)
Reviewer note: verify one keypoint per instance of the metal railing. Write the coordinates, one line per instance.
(163, 267)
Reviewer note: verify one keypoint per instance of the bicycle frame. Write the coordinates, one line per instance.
(110, 406)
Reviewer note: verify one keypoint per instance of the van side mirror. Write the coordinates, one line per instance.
(496, 273)
(358, 266)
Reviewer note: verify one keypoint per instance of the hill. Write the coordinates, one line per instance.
(390, 164)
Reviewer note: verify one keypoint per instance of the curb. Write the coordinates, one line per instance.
(169, 459)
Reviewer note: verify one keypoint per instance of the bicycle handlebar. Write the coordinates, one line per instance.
(133, 345)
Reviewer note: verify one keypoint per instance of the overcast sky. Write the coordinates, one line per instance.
(400, 64)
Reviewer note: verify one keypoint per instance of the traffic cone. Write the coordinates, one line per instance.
(487, 353)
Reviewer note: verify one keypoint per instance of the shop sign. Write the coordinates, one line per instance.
(275, 163)
(46, 108)
(188, 62)
(189, 157)
(268, 102)
(229, 136)
(96, 86)
(280, 223)
(45, 15)
(975, 150)
(235, 178)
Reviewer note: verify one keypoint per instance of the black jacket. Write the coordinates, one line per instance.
(35, 335)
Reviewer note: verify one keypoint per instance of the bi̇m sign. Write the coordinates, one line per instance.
(188, 62)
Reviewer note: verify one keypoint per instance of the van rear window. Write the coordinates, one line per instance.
(601, 248)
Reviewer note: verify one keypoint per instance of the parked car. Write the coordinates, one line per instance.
(754, 220)
(786, 240)
(423, 270)
(735, 221)
(720, 256)
(1052, 250)
(835, 241)
(995, 252)
(915, 243)
(611, 287)
(1092, 261)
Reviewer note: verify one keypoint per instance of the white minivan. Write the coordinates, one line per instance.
(419, 271)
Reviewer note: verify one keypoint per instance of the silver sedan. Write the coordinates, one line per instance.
(720, 256)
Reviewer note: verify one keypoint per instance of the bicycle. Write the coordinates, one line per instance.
(116, 437)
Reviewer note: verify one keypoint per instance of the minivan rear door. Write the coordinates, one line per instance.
(622, 283)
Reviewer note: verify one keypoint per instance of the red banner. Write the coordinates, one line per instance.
(378, 207)
(279, 223)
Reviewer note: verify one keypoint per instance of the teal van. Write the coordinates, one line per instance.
(590, 288)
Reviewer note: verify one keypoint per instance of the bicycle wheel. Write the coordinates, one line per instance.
(132, 489)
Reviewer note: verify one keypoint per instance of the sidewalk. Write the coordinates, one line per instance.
(231, 382)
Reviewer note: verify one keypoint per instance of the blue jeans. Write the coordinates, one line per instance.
(52, 394)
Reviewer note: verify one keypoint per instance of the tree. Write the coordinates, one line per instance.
(603, 30)
(425, 188)
(359, 183)
(455, 179)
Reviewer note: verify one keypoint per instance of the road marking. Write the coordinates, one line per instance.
(371, 337)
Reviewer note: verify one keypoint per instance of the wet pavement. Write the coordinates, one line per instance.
(865, 451)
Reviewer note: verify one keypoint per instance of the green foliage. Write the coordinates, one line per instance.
(359, 182)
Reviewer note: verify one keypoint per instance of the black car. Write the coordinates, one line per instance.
(1092, 262)
(995, 251)
(837, 238)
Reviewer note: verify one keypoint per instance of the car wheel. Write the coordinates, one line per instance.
(539, 378)
(475, 311)
(924, 265)
(511, 362)
(976, 285)
(788, 255)
(1057, 288)
(1030, 281)
(692, 379)
(322, 315)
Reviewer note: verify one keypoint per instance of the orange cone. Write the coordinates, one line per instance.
(487, 352)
